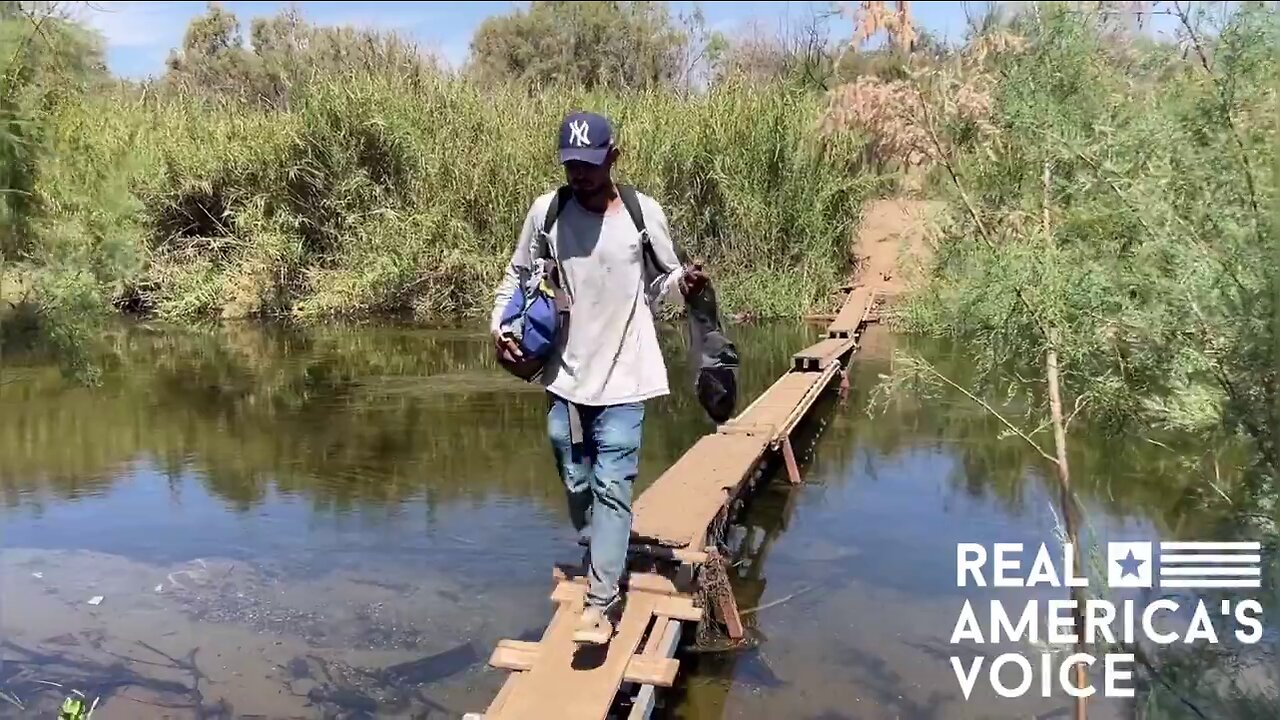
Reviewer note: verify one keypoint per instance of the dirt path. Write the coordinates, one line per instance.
(890, 240)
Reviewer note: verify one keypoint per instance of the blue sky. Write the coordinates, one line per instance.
(140, 35)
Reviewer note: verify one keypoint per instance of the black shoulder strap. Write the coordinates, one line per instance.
(632, 202)
(562, 196)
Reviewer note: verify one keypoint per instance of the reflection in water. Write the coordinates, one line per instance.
(345, 521)
(344, 418)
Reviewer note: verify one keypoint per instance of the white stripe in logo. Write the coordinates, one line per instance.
(1210, 565)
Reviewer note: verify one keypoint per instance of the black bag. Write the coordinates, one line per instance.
(713, 355)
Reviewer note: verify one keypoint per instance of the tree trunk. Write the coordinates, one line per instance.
(1064, 470)
(1068, 515)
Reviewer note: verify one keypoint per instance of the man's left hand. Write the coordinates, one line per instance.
(693, 281)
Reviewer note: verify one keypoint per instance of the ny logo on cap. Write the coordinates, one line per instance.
(578, 133)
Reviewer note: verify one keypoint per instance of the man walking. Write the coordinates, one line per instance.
(610, 363)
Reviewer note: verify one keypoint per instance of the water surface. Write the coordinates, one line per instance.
(343, 522)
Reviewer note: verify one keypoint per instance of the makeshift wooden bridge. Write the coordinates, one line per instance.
(675, 572)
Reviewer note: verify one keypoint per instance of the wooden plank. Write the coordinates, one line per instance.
(652, 671)
(564, 682)
(676, 509)
(508, 687)
(680, 608)
(655, 635)
(675, 606)
(670, 638)
(774, 407)
(802, 406)
(734, 429)
(729, 615)
(642, 669)
(821, 354)
(645, 700)
(781, 388)
(851, 314)
(747, 410)
(518, 685)
(789, 456)
(644, 581)
(569, 592)
(785, 404)
(514, 655)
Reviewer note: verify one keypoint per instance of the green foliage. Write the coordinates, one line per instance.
(284, 56)
(324, 172)
(43, 61)
(50, 64)
(1153, 272)
(378, 196)
(75, 708)
(614, 45)
(1114, 208)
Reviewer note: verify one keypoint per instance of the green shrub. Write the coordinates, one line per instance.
(375, 195)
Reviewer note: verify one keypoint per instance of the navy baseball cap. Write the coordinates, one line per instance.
(585, 136)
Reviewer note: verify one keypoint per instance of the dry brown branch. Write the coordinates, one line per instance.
(870, 17)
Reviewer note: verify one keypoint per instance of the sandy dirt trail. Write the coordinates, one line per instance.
(890, 240)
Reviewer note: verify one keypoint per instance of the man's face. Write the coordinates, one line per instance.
(587, 179)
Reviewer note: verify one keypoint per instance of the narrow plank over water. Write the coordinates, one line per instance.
(677, 508)
(852, 313)
(771, 410)
(821, 354)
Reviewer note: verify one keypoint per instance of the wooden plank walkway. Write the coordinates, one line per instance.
(853, 314)
(677, 508)
(819, 355)
(556, 678)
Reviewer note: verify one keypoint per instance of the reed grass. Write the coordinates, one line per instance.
(377, 195)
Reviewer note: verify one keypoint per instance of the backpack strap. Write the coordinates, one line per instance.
(562, 197)
(631, 201)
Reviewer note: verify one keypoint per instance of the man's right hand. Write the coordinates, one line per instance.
(507, 348)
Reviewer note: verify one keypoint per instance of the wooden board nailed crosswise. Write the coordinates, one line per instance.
(557, 678)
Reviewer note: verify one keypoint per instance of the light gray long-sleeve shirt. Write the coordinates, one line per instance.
(611, 354)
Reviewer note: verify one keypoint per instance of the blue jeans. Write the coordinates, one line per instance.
(598, 475)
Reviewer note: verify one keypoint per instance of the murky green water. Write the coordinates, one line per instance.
(343, 523)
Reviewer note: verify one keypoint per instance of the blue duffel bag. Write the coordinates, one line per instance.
(537, 315)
